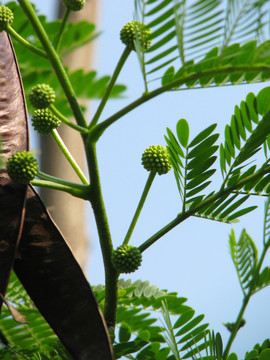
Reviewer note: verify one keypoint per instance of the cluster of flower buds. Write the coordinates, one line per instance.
(6, 17)
(136, 30)
(126, 259)
(156, 158)
(74, 5)
(22, 167)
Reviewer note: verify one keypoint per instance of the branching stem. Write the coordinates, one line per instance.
(58, 38)
(25, 43)
(97, 202)
(176, 83)
(140, 206)
(71, 124)
(183, 216)
(55, 61)
(114, 77)
(75, 191)
(68, 156)
(246, 299)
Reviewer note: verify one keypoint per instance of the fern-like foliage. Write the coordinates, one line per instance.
(141, 335)
(32, 340)
(244, 256)
(192, 161)
(205, 41)
(247, 134)
(264, 275)
(259, 352)
(35, 69)
(187, 338)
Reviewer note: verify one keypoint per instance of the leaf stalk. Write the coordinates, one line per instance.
(114, 77)
(25, 43)
(183, 216)
(133, 223)
(68, 156)
(246, 299)
(58, 38)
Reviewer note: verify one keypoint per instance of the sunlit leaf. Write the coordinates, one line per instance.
(182, 130)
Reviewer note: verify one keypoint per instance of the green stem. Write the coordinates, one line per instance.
(250, 193)
(114, 77)
(97, 202)
(25, 43)
(246, 299)
(176, 83)
(183, 216)
(140, 206)
(57, 180)
(55, 61)
(71, 124)
(58, 38)
(82, 194)
(185, 182)
(69, 157)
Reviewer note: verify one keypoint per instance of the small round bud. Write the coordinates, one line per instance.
(22, 167)
(6, 17)
(74, 5)
(135, 30)
(44, 121)
(126, 259)
(41, 96)
(156, 158)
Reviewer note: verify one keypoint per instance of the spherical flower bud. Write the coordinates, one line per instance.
(44, 121)
(6, 17)
(156, 158)
(22, 167)
(41, 96)
(126, 259)
(135, 30)
(74, 5)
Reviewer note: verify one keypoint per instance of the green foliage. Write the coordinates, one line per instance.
(32, 340)
(240, 147)
(140, 332)
(204, 44)
(36, 70)
(190, 33)
(192, 163)
(190, 338)
(245, 258)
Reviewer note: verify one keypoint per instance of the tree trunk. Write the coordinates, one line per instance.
(67, 211)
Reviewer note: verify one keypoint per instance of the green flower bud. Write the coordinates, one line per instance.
(135, 30)
(6, 17)
(44, 121)
(156, 158)
(74, 5)
(22, 167)
(126, 259)
(41, 96)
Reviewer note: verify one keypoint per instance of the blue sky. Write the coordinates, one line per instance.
(193, 259)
